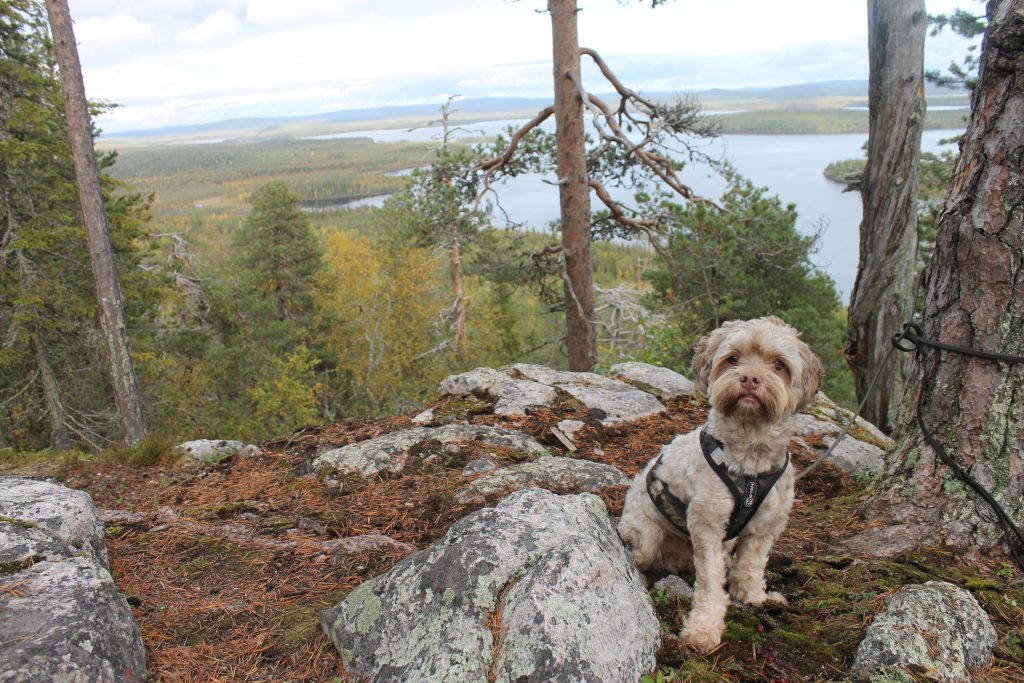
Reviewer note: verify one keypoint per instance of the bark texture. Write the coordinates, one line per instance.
(974, 298)
(573, 188)
(881, 301)
(108, 292)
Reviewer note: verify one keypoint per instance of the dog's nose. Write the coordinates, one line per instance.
(750, 381)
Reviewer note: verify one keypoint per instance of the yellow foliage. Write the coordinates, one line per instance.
(388, 306)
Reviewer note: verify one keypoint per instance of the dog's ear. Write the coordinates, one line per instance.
(810, 379)
(704, 354)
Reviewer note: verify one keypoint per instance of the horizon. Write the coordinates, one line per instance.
(195, 62)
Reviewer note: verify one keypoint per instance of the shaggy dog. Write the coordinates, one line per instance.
(697, 501)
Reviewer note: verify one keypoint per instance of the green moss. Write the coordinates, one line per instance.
(298, 627)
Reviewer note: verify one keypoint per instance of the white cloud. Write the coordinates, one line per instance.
(218, 25)
(111, 31)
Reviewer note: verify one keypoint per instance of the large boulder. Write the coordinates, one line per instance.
(391, 452)
(560, 474)
(212, 451)
(63, 617)
(862, 449)
(662, 382)
(538, 588)
(518, 387)
(937, 628)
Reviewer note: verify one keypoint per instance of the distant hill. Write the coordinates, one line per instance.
(817, 95)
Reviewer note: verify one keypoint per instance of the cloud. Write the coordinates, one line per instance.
(119, 29)
(218, 25)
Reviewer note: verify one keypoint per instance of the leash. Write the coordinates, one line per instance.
(912, 334)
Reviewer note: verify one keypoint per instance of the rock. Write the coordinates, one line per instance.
(538, 588)
(121, 517)
(64, 620)
(341, 548)
(937, 628)
(64, 515)
(210, 451)
(673, 586)
(515, 396)
(618, 401)
(478, 465)
(562, 475)
(863, 449)
(662, 382)
(424, 418)
(570, 427)
(474, 381)
(391, 452)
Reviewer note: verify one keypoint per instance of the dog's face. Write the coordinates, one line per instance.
(756, 369)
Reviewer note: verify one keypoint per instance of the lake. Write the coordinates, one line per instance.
(790, 166)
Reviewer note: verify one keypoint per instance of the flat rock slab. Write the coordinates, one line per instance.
(559, 474)
(538, 588)
(662, 382)
(212, 451)
(64, 619)
(862, 449)
(518, 387)
(391, 452)
(937, 627)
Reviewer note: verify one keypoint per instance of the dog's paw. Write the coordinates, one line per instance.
(776, 598)
(748, 596)
(701, 638)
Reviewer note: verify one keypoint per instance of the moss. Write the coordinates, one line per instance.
(298, 627)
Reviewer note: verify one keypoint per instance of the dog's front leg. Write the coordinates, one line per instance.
(746, 577)
(706, 622)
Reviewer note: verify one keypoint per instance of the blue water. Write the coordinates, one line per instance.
(790, 166)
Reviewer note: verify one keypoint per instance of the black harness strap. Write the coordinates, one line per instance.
(748, 492)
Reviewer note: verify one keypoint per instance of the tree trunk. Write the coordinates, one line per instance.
(573, 188)
(881, 301)
(122, 371)
(974, 298)
(59, 437)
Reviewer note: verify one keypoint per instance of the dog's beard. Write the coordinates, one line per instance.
(770, 402)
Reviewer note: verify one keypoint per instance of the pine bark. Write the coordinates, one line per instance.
(108, 292)
(881, 301)
(974, 298)
(573, 188)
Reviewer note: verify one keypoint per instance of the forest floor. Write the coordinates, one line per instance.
(227, 578)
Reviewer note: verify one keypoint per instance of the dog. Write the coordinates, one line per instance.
(727, 486)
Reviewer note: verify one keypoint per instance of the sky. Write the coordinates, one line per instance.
(182, 62)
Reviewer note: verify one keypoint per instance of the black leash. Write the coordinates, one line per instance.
(912, 333)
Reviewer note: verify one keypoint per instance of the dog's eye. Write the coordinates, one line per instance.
(781, 367)
(733, 359)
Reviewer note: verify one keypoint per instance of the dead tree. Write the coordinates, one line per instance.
(629, 131)
(970, 406)
(125, 385)
(882, 294)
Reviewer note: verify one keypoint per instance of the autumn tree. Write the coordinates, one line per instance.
(122, 370)
(630, 149)
(970, 406)
(881, 301)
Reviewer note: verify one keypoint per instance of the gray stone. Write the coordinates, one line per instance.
(936, 626)
(424, 418)
(570, 427)
(341, 548)
(209, 451)
(673, 586)
(620, 402)
(62, 514)
(478, 465)
(564, 475)
(64, 620)
(391, 452)
(826, 421)
(538, 588)
(515, 396)
(663, 382)
(474, 381)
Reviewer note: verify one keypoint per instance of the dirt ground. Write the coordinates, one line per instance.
(226, 574)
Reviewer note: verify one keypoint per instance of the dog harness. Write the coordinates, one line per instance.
(748, 492)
